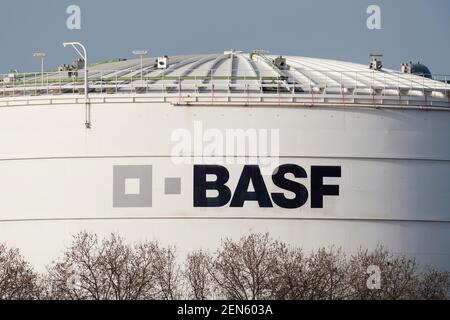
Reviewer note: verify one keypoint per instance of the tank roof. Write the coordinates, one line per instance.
(245, 66)
(232, 73)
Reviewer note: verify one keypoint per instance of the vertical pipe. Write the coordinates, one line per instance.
(86, 92)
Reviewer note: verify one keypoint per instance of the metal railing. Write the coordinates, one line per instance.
(295, 84)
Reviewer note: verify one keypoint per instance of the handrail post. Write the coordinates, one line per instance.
(163, 81)
(146, 84)
(410, 82)
(261, 83)
(424, 92)
(398, 80)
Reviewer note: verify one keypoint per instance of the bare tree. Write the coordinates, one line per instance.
(167, 273)
(326, 275)
(18, 281)
(253, 267)
(434, 284)
(291, 276)
(112, 269)
(245, 269)
(197, 273)
(79, 275)
(397, 274)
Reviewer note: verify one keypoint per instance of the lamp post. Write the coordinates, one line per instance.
(140, 53)
(83, 56)
(42, 56)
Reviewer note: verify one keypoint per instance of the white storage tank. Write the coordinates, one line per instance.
(318, 153)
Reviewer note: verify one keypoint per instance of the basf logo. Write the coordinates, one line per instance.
(132, 186)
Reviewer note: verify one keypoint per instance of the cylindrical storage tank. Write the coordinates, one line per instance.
(321, 153)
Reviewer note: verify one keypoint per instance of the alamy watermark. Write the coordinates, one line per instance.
(73, 21)
(228, 146)
(374, 20)
(374, 280)
(74, 279)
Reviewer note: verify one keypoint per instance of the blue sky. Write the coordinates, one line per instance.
(417, 30)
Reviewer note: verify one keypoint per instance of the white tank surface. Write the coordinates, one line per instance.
(316, 152)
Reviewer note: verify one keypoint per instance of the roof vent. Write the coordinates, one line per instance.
(162, 62)
(10, 77)
(280, 63)
(405, 68)
(70, 70)
(374, 62)
(418, 69)
(78, 64)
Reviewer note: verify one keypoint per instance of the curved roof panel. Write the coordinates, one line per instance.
(239, 67)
